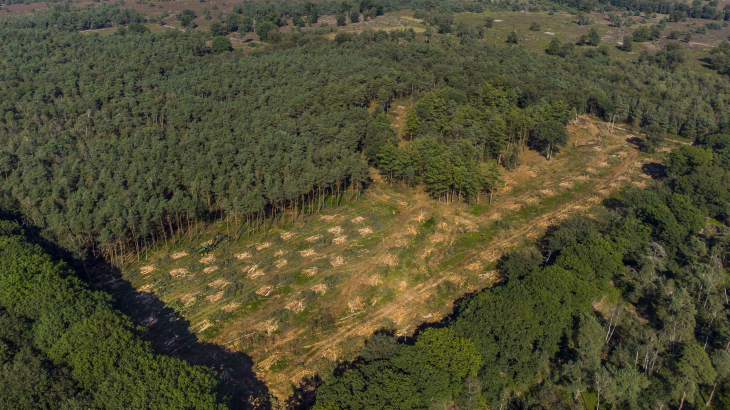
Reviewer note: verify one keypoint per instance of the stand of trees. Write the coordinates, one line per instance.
(113, 143)
(64, 346)
(624, 308)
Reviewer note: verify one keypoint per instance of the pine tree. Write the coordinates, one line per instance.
(413, 124)
(387, 158)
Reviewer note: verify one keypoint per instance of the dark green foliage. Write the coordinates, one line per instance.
(554, 47)
(233, 20)
(217, 29)
(512, 38)
(549, 137)
(264, 30)
(654, 138)
(137, 28)
(221, 44)
(628, 44)
(404, 377)
(61, 343)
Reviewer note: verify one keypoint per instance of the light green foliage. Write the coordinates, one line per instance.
(445, 351)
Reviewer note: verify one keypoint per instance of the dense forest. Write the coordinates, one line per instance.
(624, 308)
(64, 346)
(109, 144)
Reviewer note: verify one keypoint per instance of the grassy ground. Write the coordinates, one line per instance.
(302, 297)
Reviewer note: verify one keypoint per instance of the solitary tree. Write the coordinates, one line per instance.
(554, 47)
(535, 26)
(341, 19)
(628, 44)
(549, 136)
(512, 38)
(593, 37)
(655, 136)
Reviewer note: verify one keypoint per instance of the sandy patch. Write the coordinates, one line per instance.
(492, 255)
(335, 230)
(179, 273)
(278, 253)
(308, 253)
(189, 299)
(210, 269)
(267, 326)
(328, 218)
(314, 238)
(338, 261)
(208, 259)
(339, 240)
(264, 290)
(230, 307)
(358, 220)
(219, 283)
(263, 246)
(355, 305)
(280, 263)
(389, 260)
(474, 266)
(311, 271)
(178, 255)
(321, 288)
(202, 326)
(146, 269)
(373, 281)
(365, 231)
(296, 306)
(243, 255)
(287, 235)
(216, 297)
(436, 238)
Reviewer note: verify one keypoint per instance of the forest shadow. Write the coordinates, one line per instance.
(305, 395)
(170, 335)
(707, 63)
(167, 332)
(654, 169)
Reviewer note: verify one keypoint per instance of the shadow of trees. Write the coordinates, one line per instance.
(167, 332)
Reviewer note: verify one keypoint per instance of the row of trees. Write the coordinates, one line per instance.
(64, 346)
(541, 339)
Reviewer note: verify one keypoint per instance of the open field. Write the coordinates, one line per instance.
(300, 298)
